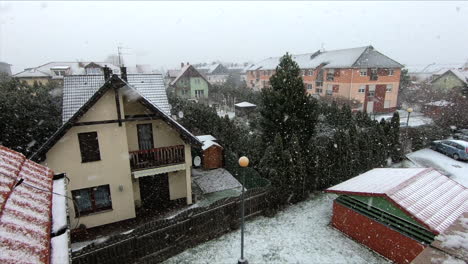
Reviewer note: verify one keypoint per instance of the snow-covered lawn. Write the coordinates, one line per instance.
(456, 170)
(299, 234)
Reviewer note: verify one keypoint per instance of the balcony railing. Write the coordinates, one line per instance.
(157, 157)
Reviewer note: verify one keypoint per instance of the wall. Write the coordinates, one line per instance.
(387, 242)
(213, 158)
(447, 82)
(198, 83)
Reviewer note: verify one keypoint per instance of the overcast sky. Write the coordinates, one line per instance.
(164, 34)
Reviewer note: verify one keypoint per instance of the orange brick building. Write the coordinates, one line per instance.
(360, 74)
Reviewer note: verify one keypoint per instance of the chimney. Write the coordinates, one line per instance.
(123, 73)
(181, 64)
(107, 72)
(188, 63)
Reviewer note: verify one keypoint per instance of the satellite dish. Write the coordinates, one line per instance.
(181, 114)
(197, 161)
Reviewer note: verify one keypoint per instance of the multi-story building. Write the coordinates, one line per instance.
(359, 74)
(119, 147)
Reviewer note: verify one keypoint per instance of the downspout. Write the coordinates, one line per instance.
(351, 85)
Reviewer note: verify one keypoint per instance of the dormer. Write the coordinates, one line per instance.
(93, 69)
(59, 71)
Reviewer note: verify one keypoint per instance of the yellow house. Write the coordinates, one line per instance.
(119, 147)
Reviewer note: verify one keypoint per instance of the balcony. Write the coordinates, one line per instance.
(156, 157)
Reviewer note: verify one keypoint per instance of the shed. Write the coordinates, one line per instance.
(212, 152)
(397, 212)
(244, 108)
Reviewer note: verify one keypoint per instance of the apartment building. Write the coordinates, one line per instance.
(359, 74)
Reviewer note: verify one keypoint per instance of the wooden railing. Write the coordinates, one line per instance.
(151, 158)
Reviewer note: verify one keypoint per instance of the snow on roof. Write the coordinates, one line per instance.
(173, 73)
(462, 75)
(75, 68)
(204, 138)
(208, 69)
(430, 197)
(440, 103)
(181, 73)
(208, 144)
(432, 68)
(215, 180)
(77, 90)
(343, 58)
(25, 209)
(60, 250)
(245, 104)
(59, 206)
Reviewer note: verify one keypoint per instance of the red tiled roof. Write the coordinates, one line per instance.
(25, 211)
(431, 198)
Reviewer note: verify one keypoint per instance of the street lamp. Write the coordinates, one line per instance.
(409, 110)
(243, 162)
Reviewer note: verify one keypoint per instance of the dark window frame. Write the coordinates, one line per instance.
(86, 152)
(94, 207)
(150, 125)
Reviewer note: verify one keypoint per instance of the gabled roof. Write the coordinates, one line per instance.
(461, 75)
(429, 197)
(77, 90)
(26, 206)
(365, 57)
(188, 68)
(139, 89)
(216, 68)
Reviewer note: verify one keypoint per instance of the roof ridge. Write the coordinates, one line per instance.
(408, 181)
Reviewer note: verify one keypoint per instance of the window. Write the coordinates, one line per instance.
(363, 72)
(309, 86)
(319, 83)
(91, 200)
(387, 104)
(199, 93)
(318, 90)
(329, 92)
(374, 75)
(303, 72)
(336, 88)
(390, 72)
(389, 88)
(330, 75)
(59, 73)
(89, 146)
(309, 72)
(362, 89)
(93, 71)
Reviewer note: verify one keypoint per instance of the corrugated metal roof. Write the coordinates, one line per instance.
(344, 58)
(425, 194)
(25, 216)
(77, 90)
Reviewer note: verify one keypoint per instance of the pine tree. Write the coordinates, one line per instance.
(298, 173)
(286, 107)
(394, 138)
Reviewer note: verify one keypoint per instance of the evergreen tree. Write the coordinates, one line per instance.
(394, 138)
(298, 173)
(286, 107)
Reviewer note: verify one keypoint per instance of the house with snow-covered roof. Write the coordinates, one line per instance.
(360, 74)
(33, 212)
(190, 84)
(451, 79)
(119, 146)
(58, 69)
(398, 212)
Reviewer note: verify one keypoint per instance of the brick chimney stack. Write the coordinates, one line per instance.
(181, 65)
(107, 72)
(123, 73)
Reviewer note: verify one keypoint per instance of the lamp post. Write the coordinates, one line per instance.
(409, 110)
(243, 162)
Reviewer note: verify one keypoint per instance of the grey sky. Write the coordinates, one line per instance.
(165, 33)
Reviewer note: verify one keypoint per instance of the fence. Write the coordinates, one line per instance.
(156, 241)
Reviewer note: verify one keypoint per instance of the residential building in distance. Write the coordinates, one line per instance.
(450, 79)
(429, 72)
(215, 73)
(358, 74)
(5, 68)
(190, 84)
(57, 70)
(119, 146)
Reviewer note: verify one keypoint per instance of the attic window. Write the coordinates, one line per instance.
(363, 72)
(390, 72)
(89, 147)
(93, 71)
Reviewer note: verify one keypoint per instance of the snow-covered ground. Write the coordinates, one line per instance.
(299, 234)
(456, 170)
